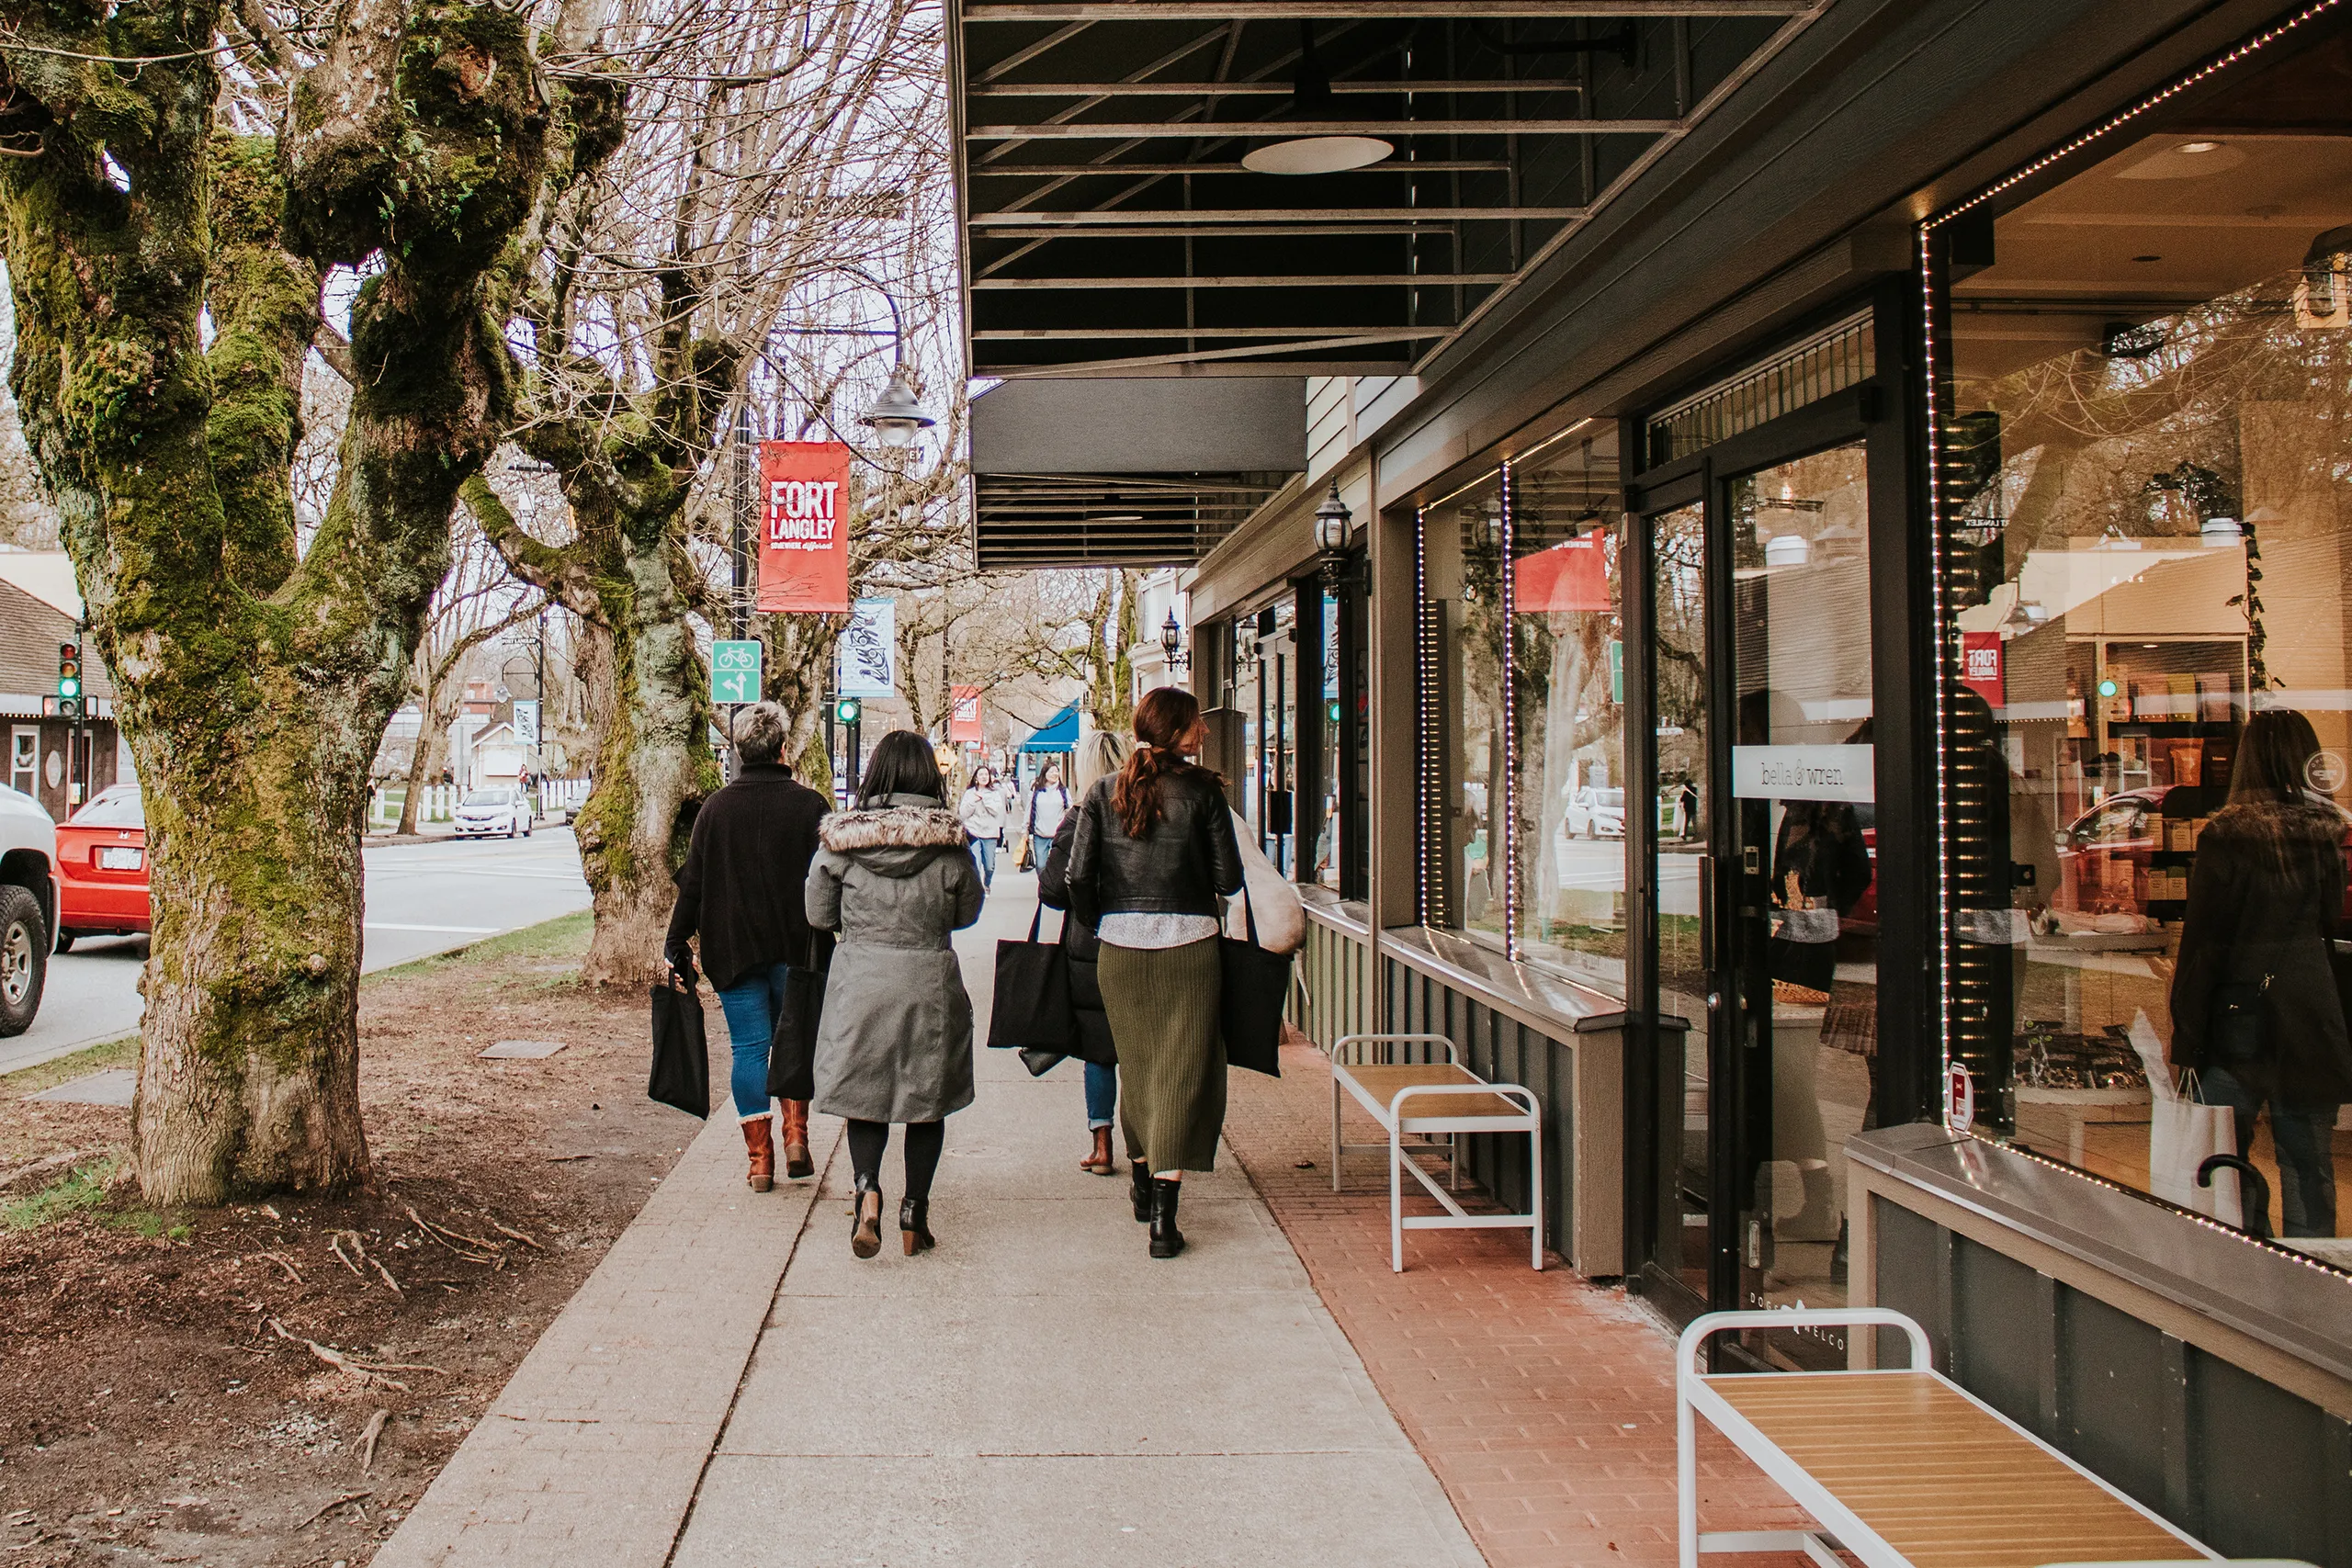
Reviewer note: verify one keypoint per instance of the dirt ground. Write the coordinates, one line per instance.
(202, 1386)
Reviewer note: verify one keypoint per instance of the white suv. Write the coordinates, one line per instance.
(28, 906)
(501, 809)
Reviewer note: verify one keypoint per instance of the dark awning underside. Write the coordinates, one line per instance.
(1109, 228)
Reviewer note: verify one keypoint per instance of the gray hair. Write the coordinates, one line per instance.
(759, 730)
(1099, 755)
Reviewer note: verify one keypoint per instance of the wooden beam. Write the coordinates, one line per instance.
(1119, 217)
(1096, 334)
(1362, 10)
(1270, 281)
(1272, 130)
(1394, 166)
(1275, 89)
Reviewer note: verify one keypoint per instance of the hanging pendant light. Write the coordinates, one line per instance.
(897, 413)
(1324, 152)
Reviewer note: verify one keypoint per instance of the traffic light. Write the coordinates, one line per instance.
(69, 680)
(846, 710)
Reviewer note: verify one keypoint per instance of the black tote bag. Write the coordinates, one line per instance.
(681, 1075)
(1253, 984)
(792, 1054)
(1033, 1006)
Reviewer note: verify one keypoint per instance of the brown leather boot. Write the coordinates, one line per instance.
(1100, 1161)
(757, 1140)
(797, 1162)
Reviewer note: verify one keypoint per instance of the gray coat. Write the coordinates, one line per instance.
(895, 1041)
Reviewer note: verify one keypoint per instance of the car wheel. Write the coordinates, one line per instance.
(66, 940)
(24, 959)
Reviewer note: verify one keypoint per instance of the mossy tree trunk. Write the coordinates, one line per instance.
(254, 680)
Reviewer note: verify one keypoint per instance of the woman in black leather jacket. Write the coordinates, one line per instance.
(1152, 861)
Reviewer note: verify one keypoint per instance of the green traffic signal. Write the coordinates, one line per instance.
(846, 710)
(1333, 711)
(68, 686)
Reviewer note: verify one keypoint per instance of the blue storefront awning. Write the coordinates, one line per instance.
(1058, 733)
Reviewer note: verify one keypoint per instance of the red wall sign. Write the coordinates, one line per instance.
(1980, 665)
(963, 714)
(804, 540)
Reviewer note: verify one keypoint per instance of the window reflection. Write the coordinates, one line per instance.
(1568, 670)
(1462, 541)
(2152, 454)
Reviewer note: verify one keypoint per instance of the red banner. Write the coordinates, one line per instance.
(963, 714)
(1980, 665)
(804, 543)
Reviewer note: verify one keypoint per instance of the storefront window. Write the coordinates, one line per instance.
(1568, 674)
(1463, 541)
(2148, 462)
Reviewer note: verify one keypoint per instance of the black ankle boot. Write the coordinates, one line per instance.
(865, 1224)
(914, 1224)
(1167, 1241)
(1139, 1189)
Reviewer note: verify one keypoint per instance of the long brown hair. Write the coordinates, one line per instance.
(2275, 755)
(1164, 718)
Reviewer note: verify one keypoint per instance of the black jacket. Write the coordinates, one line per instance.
(746, 867)
(1081, 945)
(2266, 898)
(1184, 866)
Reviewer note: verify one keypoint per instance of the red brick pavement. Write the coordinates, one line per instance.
(1543, 1403)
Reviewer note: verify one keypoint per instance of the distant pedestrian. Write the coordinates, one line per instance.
(740, 891)
(1099, 756)
(983, 809)
(1152, 859)
(1049, 802)
(894, 877)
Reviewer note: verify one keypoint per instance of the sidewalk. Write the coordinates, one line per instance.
(731, 1387)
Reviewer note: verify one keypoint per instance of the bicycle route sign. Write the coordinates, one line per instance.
(735, 672)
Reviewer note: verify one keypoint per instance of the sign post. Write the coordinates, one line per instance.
(735, 670)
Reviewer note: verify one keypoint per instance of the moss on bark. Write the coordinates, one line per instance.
(254, 682)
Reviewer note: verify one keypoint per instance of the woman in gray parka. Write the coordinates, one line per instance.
(895, 877)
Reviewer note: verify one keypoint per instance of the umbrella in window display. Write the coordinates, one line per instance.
(1571, 576)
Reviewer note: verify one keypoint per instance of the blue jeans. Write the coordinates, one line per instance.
(1102, 1095)
(2303, 1137)
(985, 850)
(751, 1005)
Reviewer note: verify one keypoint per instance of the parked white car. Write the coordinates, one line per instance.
(1597, 813)
(500, 810)
(28, 906)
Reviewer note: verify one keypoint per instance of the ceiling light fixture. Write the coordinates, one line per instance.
(2194, 147)
(1324, 152)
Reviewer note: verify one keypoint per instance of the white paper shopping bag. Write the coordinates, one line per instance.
(2182, 1135)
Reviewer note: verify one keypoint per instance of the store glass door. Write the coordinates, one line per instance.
(1682, 875)
(1802, 940)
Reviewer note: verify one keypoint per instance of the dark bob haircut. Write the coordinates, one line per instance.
(901, 764)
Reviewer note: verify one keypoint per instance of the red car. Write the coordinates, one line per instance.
(102, 868)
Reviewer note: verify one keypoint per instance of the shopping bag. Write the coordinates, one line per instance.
(1032, 1006)
(1282, 925)
(792, 1051)
(2182, 1135)
(1021, 852)
(681, 1075)
(1253, 984)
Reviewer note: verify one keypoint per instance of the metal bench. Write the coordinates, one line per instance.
(1453, 1101)
(1901, 1469)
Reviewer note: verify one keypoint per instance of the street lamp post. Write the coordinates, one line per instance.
(1171, 642)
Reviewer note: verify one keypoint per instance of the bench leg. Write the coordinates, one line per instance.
(1396, 1204)
(1686, 1481)
(1535, 1192)
(1335, 1130)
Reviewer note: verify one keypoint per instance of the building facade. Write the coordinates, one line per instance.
(1845, 606)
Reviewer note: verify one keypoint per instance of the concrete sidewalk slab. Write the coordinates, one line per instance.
(592, 1452)
(733, 1386)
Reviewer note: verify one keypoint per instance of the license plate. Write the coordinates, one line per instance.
(120, 859)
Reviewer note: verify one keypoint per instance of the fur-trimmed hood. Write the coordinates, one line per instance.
(895, 839)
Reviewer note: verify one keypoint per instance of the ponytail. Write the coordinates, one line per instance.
(1163, 720)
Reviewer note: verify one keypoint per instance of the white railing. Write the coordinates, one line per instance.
(556, 797)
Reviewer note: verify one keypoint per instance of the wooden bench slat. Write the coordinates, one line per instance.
(1940, 1481)
(1383, 1082)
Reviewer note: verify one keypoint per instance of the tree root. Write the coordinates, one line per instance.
(484, 1251)
(369, 1373)
(330, 1507)
(367, 1436)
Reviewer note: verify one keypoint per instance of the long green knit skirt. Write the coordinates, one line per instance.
(1162, 1005)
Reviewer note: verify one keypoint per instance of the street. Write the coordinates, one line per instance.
(422, 898)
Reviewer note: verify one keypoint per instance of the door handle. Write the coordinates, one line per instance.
(1708, 914)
